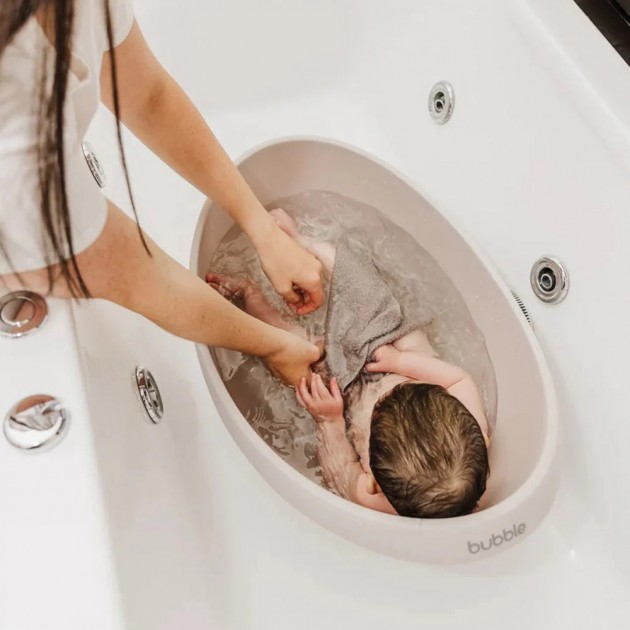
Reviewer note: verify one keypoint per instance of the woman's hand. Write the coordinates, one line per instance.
(385, 359)
(323, 405)
(295, 274)
(291, 362)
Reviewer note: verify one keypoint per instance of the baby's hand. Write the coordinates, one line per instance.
(385, 359)
(323, 405)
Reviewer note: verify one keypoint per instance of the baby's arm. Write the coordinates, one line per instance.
(427, 369)
(417, 366)
(338, 458)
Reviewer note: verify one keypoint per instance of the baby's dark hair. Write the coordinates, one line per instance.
(427, 452)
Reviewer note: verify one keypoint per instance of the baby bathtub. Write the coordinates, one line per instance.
(523, 456)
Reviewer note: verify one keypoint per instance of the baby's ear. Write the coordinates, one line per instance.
(369, 495)
(365, 489)
(370, 484)
(367, 484)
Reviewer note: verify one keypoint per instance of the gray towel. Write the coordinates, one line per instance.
(363, 314)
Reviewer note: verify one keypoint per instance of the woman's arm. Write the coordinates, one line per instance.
(116, 267)
(158, 112)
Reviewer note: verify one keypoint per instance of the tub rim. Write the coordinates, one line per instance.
(546, 463)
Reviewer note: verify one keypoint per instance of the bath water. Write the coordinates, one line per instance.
(418, 282)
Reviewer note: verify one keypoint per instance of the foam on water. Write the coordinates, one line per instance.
(270, 408)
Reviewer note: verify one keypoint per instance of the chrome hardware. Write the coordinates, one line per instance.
(149, 395)
(550, 280)
(21, 313)
(441, 102)
(95, 166)
(36, 423)
(523, 308)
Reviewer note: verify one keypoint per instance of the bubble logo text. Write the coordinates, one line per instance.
(496, 540)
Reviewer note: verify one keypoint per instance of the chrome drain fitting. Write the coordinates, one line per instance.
(36, 423)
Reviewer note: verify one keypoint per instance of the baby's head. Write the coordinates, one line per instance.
(427, 452)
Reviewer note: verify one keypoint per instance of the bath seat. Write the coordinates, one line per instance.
(523, 455)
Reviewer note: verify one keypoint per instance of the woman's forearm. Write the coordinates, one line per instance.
(158, 112)
(117, 268)
(156, 109)
(193, 151)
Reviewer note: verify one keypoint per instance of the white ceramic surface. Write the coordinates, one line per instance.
(125, 525)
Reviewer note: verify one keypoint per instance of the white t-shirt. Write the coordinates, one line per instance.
(21, 231)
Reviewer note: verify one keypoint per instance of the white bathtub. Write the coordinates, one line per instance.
(127, 525)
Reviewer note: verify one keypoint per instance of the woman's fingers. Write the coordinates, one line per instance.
(303, 298)
(292, 297)
(295, 273)
(314, 296)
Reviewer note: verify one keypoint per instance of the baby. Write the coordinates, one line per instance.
(408, 435)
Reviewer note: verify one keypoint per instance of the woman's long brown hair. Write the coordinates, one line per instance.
(55, 211)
